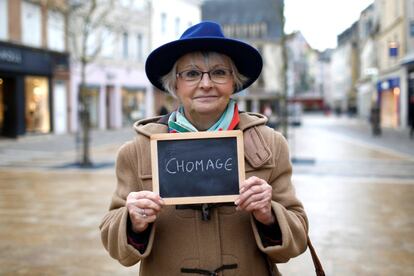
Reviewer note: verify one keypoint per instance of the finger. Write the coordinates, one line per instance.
(149, 195)
(133, 197)
(252, 198)
(137, 215)
(256, 189)
(148, 204)
(150, 219)
(262, 205)
(147, 212)
(251, 181)
(256, 198)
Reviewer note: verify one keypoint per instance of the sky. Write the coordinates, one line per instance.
(320, 21)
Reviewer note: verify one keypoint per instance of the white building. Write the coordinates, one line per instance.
(119, 92)
(168, 20)
(368, 66)
(341, 78)
(304, 73)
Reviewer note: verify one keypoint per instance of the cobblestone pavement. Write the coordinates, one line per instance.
(357, 190)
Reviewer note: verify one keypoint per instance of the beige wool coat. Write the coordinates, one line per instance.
(180, 238)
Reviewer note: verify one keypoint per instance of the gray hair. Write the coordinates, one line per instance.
(169, 80)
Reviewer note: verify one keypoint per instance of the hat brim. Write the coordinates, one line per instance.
(246, 58)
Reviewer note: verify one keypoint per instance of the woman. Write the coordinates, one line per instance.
(265, 225)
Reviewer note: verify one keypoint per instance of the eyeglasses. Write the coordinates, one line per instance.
(218, 75)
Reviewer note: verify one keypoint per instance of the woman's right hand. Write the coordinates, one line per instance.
(143, 208)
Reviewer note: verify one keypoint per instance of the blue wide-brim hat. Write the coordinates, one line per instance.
(205, 36)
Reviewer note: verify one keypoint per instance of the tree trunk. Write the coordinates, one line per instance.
(84, 115)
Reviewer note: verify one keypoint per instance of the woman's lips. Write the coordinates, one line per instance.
(204, 97)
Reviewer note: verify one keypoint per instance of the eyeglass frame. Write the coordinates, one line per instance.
(179, 74)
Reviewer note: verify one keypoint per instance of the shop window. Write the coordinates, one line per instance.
(133, 105)
(37, 113)
(92, 93)
(390, 107)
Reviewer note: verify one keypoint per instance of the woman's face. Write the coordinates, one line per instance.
(204, 97)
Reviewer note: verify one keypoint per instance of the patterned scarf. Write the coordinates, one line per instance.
(228, 121)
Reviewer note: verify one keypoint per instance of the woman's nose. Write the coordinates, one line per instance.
(205, 80)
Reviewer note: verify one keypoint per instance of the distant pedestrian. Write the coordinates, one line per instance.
(375, 119)
(411, 115)
(162, 111)
(267, 223)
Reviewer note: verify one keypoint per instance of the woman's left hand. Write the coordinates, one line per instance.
(255, 197)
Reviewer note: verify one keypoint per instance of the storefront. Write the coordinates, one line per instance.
(28, 79)
(389, 102)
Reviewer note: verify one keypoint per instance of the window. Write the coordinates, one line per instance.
(393, 49)
(55, 30)
(31, 24)
(125, 45)
(260, 80)
(177, 26)
(91, 43)
(3, 19)
(133, 104)
(412, 28)
(108, 43)
(139, 47)
(163, 23)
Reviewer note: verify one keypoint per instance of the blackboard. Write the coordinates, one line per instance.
(197, 167)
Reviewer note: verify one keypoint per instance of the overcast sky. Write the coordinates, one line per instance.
(320, 21)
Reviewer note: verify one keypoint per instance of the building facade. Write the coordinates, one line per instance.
(34, 68)
(407, 62)
(304, 73)
(391, 45)
(345, 71)
(368, 67)
(261, 29)
(169, 19)
(116, 86)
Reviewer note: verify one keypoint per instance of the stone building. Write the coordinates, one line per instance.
(34, 68)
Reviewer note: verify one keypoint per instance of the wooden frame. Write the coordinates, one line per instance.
(155, 138)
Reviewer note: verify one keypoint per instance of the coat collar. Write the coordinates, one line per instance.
(158, 124)
(256, 150)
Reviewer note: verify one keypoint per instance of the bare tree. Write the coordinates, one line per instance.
(86, 32)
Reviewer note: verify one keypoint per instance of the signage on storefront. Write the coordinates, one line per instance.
(388, 84)
(10, 56)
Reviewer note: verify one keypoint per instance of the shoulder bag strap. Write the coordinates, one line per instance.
(318, 266)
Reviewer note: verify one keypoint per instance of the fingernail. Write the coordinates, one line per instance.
(237, 202)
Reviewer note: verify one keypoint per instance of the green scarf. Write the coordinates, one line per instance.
(177, 122)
